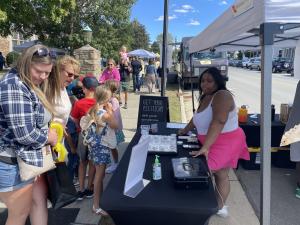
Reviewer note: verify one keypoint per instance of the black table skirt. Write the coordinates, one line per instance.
(160, 202)
(252, 131)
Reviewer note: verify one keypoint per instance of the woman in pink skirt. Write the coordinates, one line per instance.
(223, 141)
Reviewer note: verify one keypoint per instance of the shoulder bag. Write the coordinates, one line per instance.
(28, 172)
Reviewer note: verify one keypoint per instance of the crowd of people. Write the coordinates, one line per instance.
(42, 88)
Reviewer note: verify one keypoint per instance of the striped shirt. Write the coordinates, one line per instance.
(21, 120)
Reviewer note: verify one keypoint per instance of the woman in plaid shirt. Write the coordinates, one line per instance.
(24, 117)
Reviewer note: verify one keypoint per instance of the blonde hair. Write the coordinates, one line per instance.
(123, 48)
(102, 95)
(52, 86)
(111, 60)
(112, 85)
(24, 64)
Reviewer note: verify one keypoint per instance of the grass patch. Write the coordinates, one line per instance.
(4, 71)
(174, 103)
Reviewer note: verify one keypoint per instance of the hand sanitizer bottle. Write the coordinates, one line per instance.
(156, 169)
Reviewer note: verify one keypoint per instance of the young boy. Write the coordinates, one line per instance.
(80, 109)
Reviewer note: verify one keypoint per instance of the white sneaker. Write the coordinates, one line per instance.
(223, 212)
(76, 182)
(111, 168)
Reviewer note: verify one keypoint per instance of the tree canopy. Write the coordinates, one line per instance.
(59, 23)
(140, 36)
(170, 38)
(155, 47)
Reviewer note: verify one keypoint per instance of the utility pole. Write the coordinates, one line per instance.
(164, 47)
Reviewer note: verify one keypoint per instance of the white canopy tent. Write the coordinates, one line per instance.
(253, 24)
(232, 31)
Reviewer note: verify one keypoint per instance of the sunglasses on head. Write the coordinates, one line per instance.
(43, 52)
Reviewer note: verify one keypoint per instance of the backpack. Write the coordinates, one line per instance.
(86, 123)
(106, 137)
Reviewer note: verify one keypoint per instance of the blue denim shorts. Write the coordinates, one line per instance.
(10, 179)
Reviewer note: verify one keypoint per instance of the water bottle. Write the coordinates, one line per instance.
(243, 114)
(156, 173)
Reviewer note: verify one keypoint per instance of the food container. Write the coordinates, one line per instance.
(285, 110)
(243, 114)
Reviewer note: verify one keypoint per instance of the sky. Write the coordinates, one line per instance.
(186, 17)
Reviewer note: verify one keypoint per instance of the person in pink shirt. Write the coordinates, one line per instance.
(110, 73)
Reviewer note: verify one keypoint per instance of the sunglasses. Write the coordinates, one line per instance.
(70, 74)
(43, 52)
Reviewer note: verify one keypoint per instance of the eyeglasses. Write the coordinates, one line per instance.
(70, 74)
(43, 52)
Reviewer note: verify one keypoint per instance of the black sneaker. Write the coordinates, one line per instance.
(88, 193)
(80, 195)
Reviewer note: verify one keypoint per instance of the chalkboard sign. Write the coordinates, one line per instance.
(153, 109)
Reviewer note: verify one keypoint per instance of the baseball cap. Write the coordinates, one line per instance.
(90, 82)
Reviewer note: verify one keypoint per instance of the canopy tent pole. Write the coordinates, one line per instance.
(164, 48)
(191, 80)
(267, 32)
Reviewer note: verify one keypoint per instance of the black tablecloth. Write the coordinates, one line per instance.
(252, 131)
(160, 202)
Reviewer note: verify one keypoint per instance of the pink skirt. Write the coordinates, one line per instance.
(227, 149)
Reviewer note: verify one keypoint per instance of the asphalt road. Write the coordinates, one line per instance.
(245, 85)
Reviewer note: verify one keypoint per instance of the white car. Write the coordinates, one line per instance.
(256, 64)
(245, 63)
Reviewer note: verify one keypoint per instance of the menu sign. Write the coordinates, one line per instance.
(153, 109)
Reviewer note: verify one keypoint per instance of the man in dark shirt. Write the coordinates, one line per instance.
(2, 61)
(136, 68)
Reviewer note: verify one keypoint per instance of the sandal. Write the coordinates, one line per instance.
(99, 211)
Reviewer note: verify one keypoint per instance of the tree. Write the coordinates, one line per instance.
(170, 39)
(111, 26)
(140, 37)
(240, 55)
(155, 47)
(33, 17)
(59, 22)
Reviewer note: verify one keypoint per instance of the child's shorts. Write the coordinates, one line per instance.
(100, 154)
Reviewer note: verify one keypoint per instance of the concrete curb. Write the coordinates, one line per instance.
(182, 106)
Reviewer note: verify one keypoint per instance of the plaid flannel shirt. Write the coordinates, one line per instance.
(21, 120)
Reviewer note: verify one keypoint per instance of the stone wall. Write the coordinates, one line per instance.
(89, 59)
(4, 45)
